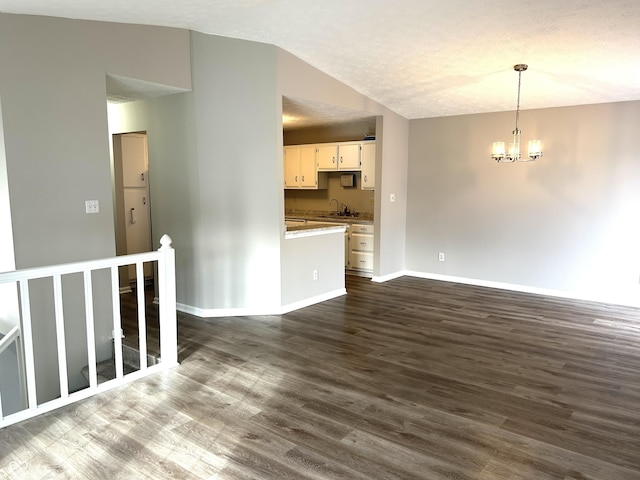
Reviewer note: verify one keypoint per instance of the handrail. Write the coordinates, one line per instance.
(165, 260)
(8, 339)
(64, 269)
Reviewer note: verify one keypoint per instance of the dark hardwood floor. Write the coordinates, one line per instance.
(410, 379)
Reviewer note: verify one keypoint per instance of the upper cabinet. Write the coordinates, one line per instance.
(368, 165)
(306, 166)
(338, 156)
(300, 168)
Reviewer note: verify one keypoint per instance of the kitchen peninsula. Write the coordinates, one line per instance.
(312, 263)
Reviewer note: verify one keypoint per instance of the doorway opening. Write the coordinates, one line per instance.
(132, 203)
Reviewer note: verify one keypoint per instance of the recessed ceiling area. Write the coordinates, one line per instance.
(123, 89)
(420, 58)
(299, 114)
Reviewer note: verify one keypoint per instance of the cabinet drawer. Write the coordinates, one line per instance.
(362, 228)
(362, 242)
(361, 260)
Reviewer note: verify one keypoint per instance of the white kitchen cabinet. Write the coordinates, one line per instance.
(349, 156)
(338, 156)
(368, 165)
(361, 248)
(300, 168)
(327, 156)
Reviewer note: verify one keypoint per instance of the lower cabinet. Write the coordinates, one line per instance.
(360, 248)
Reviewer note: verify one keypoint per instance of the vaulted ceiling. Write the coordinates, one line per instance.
(420, 58)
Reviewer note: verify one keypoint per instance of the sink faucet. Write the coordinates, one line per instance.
(345, 211)
(337, 205)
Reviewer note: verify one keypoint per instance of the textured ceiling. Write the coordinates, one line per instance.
(297, 114)
(420, 58)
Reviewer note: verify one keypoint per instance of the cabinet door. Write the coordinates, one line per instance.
(349, 156)
(368, 166)
(307, 175)
(291, 166)
(327, 157)
(134, 167)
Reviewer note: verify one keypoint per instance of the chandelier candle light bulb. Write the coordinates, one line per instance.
(513, 153)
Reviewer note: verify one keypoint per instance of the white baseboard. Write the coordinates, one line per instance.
(251, 312)
(313, 300)
(524, 289)
(224, 312)
(126, 289)
(235, 312)
(390, 276)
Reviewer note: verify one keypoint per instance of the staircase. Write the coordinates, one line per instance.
(106, 370)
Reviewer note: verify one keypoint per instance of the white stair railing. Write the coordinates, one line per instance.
(165, 259)
(12, 336)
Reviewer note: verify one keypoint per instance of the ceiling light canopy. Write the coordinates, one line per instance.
(512, 154)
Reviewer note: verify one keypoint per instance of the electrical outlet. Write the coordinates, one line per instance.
(392, 197)
(371, 201)
(441, 257)
(92, 206)
(315, 274)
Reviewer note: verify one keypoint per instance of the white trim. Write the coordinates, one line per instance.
(524, 289)
(126, 289)
(9, 337)
(103, 263)
(313, 300)
(386, 278)
(224, 312)
(251, 312)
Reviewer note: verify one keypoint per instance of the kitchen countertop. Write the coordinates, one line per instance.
(303, 228)
(330, 219)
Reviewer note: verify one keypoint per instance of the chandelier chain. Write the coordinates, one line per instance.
(518, 103)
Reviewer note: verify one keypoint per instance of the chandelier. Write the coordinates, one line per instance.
(512, 154)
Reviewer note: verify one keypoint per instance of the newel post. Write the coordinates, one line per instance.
(167, 307)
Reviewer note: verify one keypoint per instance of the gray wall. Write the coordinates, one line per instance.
(565, 224)
(215, 176)
(53, 94)
(9, 313)
(10, 380)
